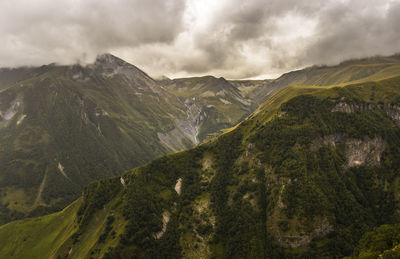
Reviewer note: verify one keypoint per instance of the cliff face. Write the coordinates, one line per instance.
(358, 152)
(392, 110)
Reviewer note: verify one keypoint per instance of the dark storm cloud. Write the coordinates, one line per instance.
(333, 31)
(45, 30)
(232, 38)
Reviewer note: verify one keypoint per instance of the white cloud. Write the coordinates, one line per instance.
(231, 38)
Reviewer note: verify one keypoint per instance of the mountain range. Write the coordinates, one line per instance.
(62, 127)
(306, 174)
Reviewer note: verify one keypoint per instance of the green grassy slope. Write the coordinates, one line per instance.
(39, 237)
(355, 71)
(11, 76)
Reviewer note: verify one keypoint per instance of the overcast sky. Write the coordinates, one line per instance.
(176, 38)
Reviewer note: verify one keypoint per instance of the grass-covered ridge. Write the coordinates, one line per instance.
(39, 237)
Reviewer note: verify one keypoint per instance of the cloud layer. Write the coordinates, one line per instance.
(231, 38)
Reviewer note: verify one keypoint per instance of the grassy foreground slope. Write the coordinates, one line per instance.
(307, 176)
(39, 237)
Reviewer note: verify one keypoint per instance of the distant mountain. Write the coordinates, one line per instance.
(62, 127)
(256, 90)
(356, 71)
(306, 175)
(215, 103)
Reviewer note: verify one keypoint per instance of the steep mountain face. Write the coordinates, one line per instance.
(302, 177)
(215, 103)
(257, 90)
(65, 126)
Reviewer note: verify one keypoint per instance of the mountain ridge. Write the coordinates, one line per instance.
(306, 176)
(65, 126)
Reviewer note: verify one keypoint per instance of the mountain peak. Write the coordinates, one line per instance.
(113, 65)
(107, 58)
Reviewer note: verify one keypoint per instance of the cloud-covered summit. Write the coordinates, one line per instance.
(230, 38)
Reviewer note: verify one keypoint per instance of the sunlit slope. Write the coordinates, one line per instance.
(39, 237)
(362, 70)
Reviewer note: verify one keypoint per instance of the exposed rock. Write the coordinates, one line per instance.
(345, 107)
(352, 107)
(249, 148)
(187, 129)
(178, 186)
(21, 118)
(12, 110)
(166, 216)
(225, 101)
(61, 170)
(174, 139)
(358, 152)
(111, 66)
(191, 126)
(392, 110)
(331, 140)
(207, 94)
(100, 112)
(364, 152)
(322, 227)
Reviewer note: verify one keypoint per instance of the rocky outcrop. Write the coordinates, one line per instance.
(21, 118)
(178, 186)
(166, 216)
(391, 110)
(358, 152)
(60, 168)
(187, 129)
(12, 110)
(351, 107)
(322, 227)
(191, 126)
(173, 140)
(364, 152)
